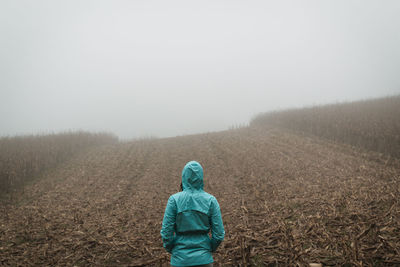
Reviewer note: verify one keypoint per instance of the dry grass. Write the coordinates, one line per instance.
(23, 158)
(286, 200)
(371, 124)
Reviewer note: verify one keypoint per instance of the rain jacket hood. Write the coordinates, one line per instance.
(192, 176)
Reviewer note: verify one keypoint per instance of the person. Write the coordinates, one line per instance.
(189, 217)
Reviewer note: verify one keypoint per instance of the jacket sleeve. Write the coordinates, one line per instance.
(217, 227)
(168, 225)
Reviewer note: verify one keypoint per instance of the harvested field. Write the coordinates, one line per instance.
(372, 124)
(286, 200)
(23, 158)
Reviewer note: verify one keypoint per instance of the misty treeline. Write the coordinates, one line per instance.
(22, 158)
(369, 124)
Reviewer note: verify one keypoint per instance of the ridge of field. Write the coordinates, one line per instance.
(372, 124)
(286, 200)
(22, 158)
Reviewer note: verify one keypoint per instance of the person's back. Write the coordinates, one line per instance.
(189, 216)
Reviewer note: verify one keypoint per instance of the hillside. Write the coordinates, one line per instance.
(24, 158)
(372, 124)
(286, 200)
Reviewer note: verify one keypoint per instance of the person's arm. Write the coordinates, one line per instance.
(217, 227)
(168, 225)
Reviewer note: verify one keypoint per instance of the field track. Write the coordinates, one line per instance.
(285, 199)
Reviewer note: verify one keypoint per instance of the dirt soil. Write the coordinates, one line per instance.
(286, 200)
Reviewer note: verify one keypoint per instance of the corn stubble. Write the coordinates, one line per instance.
(286, 200)
(371, 124)
(23, 158)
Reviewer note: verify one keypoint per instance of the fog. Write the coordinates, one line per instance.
(167, 68)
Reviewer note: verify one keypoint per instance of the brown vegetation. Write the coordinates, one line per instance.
(24, 157)
(286, 200)
(371, 124)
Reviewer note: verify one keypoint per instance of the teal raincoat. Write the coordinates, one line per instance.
(189, 217)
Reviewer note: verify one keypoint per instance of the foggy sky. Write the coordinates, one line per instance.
(166, 68)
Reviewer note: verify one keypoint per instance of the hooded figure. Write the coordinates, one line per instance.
(189, 217)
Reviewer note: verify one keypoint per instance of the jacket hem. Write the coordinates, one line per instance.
(193, 264)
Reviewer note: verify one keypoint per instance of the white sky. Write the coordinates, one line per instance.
(168, 68)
